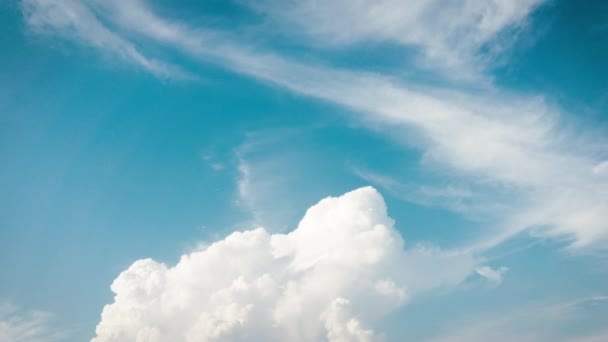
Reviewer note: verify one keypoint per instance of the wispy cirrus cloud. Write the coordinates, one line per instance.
(495, 142)
(494, 275)
(458, 38)
(534, 322)
(17, 325)
(78, 20)
(261, 191)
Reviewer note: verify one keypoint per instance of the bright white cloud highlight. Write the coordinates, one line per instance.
(343, 268)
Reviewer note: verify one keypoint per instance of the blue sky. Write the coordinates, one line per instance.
(135, 134)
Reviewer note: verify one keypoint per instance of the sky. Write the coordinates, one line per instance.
(255, 170)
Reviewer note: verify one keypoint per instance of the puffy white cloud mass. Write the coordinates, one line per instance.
(342, 269)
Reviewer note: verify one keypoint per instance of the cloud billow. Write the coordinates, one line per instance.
(342, 269)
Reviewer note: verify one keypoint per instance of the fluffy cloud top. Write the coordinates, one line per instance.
(343, 268)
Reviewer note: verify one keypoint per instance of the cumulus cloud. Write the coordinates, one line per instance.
(341, 326)
(341, 270)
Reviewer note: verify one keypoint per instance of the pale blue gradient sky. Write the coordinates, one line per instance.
(107, 160)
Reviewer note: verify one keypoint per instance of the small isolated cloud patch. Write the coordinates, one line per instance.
(494, 275)
(342, 269)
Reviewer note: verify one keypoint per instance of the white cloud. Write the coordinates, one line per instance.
(538, 321)
(601, 168)
(450, 34)
(342, 269)
(17, 325)
(261, 191)
(342, 327)
(500, 145)
(77, 20)
(450, 37)
(491, 274)
(476, 205)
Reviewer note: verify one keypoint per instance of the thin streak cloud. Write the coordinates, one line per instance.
(494, 141)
